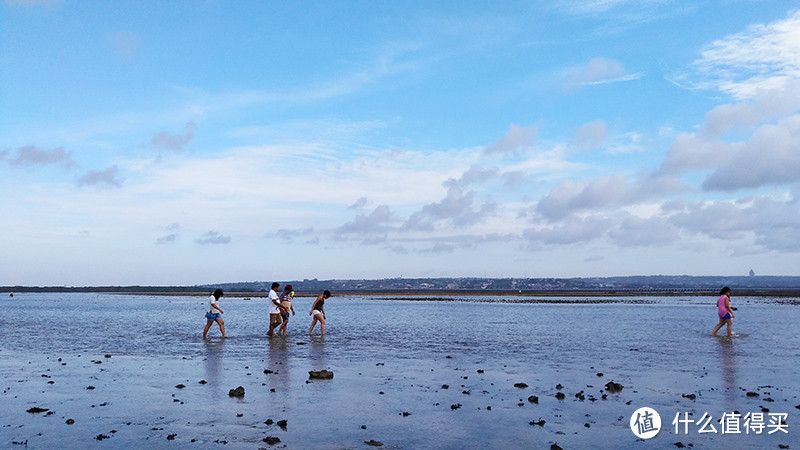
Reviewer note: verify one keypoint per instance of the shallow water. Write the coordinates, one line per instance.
(390, 357)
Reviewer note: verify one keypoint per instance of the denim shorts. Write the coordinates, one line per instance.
(212, 316)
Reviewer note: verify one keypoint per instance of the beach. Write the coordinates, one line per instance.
(119, 371)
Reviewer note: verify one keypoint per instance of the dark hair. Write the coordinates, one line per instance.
(218, 293)
(275, 285)
(326, 294)
(725, 290)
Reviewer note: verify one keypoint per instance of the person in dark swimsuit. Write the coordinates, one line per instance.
(318, 312)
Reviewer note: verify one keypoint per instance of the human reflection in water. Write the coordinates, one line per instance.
(727, 362)
(279, 368)
(214, 356)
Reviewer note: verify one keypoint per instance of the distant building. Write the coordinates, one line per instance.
(752, 274)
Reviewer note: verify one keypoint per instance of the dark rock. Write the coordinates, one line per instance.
(540, 422)
(752, 394)
(272, 440)
(171, 437)
(180, 386)
(269, 422)
(203, 382)
(70, 421)
(559, 386)
(238, 392)
(520, 385)
(679, 445)
(587, 425)
(37, 410)
(599, 374)
(320, 375)
(689, 396)
(560, 395)
(405, 413)
(555, 447)
(446, 386)
(101, 436)
(363, 427)
(533, 399)
(107, 356)
(374, 443)
(613, 388)
(267, 371)
(456, 406)
(480, 370)
(282, 423)
(89, 388)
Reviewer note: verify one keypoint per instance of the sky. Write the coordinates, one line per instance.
(198, 142)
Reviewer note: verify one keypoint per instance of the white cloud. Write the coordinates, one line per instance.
(596, 72)
(108, 177)
(762, 58)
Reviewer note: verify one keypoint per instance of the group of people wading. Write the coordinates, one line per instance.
(280, 309)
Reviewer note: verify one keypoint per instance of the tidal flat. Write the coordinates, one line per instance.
(95, 370)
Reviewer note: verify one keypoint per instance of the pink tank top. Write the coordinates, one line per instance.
(721, 309)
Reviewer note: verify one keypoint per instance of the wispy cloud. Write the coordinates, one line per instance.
(596, 72)
(108, 177)
(213, 237)
(30, 156)
(763, 57)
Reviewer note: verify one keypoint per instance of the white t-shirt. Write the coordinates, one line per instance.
(213, 301)
(273, 297)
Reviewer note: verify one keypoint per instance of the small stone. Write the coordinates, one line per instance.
(613, 388)
(89, 388)
(752, 394)
(599, 374)
(37, 410)
(70, 421)
(272, 440)
(101, 436)
(520, 385)
(374, 443)
(689, 396)
(540, 422)
(171, 437)
(533, 399)
(405, 413)
(363, 427)
(282, 423)
(320, 375)
(446, 386)
(679, 445)
(180, 386)
(555, 447)
(560, 395)
(455, 407)
(203, 382)
(559, 386)
(238, 392)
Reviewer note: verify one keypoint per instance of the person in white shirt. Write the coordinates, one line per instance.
(274, 309)
(214, 313)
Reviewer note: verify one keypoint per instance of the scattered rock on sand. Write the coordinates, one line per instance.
(613, 388)
(689, 396)
(446, 386)
(101, 436)
(455, 406)
(238, 392)
(533, 399)
(320, 375)
(540, 422)
(374, 443)
(282, 423)
(180, 386)
(272, 440)
(37, 410)
(520, 385)
(752, 394)
(171, 437)
(560, 395)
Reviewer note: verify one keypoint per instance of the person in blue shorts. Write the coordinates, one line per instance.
(214, 313)
(286, 308)
(724, 311)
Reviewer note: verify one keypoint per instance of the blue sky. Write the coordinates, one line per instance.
(190, 142)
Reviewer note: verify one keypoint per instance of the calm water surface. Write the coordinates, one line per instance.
(658, 347)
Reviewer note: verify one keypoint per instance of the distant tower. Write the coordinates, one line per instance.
(752, 274)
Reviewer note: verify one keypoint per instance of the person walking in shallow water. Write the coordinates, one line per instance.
(214, 313)
(318, 312)
(725, 311)
(286, 308)
(274, 309)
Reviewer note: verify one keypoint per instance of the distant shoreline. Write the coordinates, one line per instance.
(428, 294)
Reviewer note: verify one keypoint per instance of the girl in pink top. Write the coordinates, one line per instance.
(724, 310)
